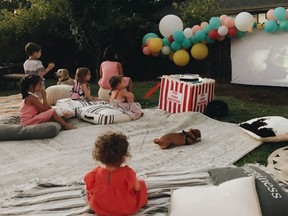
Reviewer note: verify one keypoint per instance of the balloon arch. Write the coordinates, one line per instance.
(176, 41)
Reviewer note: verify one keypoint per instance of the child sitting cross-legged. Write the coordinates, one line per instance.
(112, 188)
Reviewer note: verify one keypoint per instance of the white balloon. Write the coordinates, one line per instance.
(222, 30)
(169, 24)
(244, 21)
(166, 50)
(187, 33)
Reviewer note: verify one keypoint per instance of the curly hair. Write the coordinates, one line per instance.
(111, 148)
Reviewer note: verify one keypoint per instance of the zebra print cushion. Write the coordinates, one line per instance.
(101, 114)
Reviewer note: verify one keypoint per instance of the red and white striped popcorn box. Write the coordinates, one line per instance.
(179, 96)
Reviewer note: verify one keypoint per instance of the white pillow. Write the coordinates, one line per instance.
(237, 197)
(101, 114)
(267, 129)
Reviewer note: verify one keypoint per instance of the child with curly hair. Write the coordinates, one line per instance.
(81, 89)
(123, 100)
(32, 110)
(113, 188)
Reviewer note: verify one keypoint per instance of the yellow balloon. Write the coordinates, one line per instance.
(155, 45)
(199, 51)
(181, 57)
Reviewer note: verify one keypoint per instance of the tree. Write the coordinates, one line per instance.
(196, 11)
(42, 21)
(121, 23)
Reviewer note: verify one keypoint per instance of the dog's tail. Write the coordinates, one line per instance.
(157, 140)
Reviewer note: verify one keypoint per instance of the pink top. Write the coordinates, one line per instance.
(29, 115)
(107, 70)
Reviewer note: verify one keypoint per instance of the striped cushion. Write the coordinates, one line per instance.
(101, 114)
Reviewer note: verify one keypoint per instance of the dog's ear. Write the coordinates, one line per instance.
(196, 133)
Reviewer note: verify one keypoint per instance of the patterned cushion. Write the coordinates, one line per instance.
(267, 129)
(101, 114)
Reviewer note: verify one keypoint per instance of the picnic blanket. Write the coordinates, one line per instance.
(64, 159)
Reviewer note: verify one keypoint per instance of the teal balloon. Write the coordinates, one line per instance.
(193, 39)
(178, 36)
(214, 22)
(240, 34)
(284, 25)
(200, 35)
(207, 28)
(166, 41)
(186, 43)
(175, 46)
(280, 13)
(270, 26)
(149, 35)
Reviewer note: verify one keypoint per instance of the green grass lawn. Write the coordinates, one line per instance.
(239, 110)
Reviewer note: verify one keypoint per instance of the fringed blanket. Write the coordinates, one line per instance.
(46, 198)
(67, 157)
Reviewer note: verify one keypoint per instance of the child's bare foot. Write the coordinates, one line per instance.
(68, 126)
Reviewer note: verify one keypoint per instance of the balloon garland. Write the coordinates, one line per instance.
(176, 40)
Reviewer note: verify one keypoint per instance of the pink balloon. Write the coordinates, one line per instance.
(203, 24)
(223, 18)
(146, 51)
(270, 14)
(148, 40)
(229, 22)
(195, 28)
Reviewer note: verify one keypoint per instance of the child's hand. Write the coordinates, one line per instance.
(51, 65)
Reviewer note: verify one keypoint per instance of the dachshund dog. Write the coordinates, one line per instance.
(183, 138)
(63, 77)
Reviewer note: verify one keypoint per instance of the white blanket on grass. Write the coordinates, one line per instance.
(67, 157)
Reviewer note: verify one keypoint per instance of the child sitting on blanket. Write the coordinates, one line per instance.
(32, 111)
(123, 100)
(112, 188)
(81, 89)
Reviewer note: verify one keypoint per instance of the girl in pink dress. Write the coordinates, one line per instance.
(111, 67)
(123, 100)
(112, 188)
(32, 110)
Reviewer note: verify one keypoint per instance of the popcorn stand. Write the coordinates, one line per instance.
(182, 93)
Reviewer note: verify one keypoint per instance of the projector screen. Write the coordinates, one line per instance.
(260, 58)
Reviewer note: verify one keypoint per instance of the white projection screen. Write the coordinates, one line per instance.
(260, 58)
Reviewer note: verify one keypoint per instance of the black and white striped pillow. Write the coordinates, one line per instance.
(101, 114)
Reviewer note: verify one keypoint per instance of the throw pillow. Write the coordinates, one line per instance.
(101, 114)
(237, 197)
(267, 129)
(273, 199)
(38, 131)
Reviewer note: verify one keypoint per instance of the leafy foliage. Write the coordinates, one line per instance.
(196, 11)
